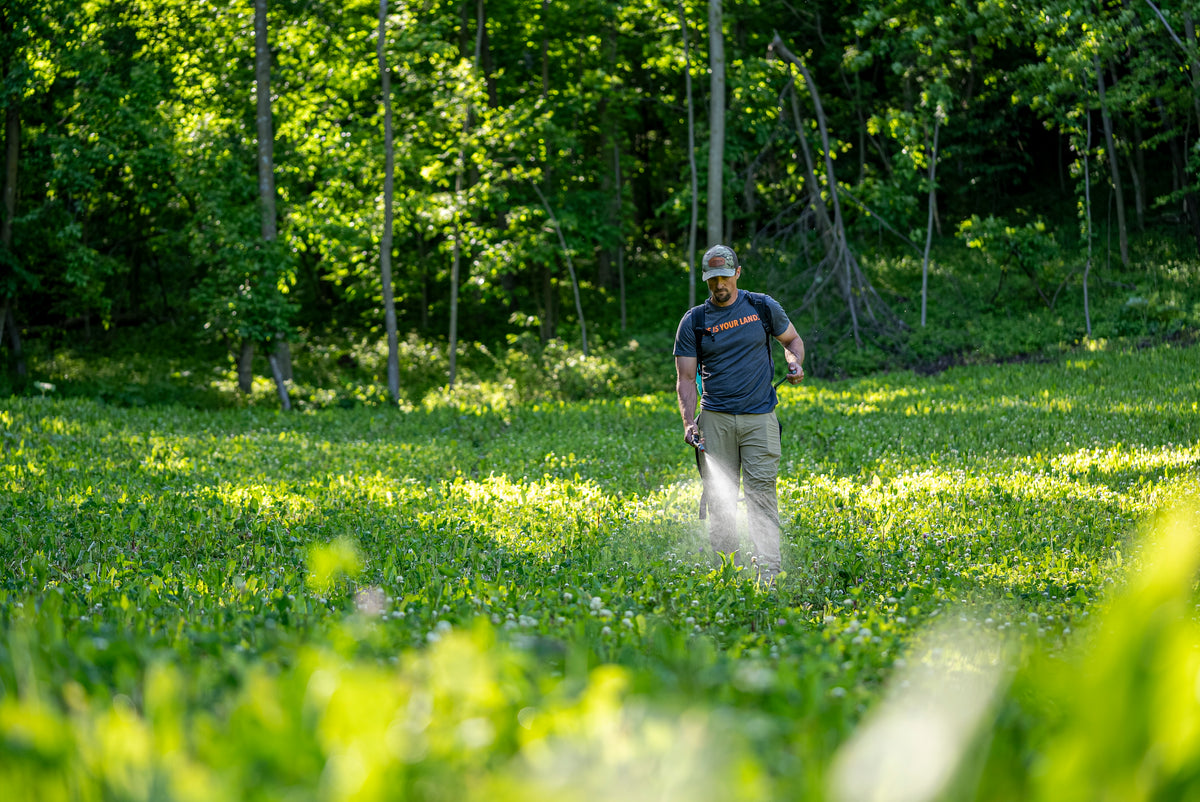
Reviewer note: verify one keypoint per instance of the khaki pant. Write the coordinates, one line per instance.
(745, 448)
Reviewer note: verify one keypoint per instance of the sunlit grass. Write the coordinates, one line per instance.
(457, 602)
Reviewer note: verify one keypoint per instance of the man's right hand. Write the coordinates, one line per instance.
(692, 436)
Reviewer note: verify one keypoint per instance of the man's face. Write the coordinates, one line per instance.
(724, 288)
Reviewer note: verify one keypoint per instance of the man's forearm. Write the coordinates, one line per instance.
(686, 391)
(794, 351)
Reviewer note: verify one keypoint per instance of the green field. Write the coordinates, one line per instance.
(470, 603)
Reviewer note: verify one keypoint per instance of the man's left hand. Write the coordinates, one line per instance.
(795, 374)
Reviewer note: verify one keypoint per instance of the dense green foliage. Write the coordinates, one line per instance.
(477, 602)
(136, 189)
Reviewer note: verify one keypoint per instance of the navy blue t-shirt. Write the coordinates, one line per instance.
(736, 365)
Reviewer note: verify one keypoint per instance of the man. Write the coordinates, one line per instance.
(736, 430)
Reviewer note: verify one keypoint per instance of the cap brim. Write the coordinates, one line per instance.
(720, 271)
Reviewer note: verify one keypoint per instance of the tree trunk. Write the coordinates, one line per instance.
(484, 60)
(545, 50)
(283, 353)
(1114, 168)
(266, 182)
(750, 198)
(695, 214)
(245, 366)
(1087, 205)
(266, 134)
(620, 235)
(1137, 169)
(1189, 30)
(12, 153)
(14, 338)
(285, 400)
(606, 251)
(933, 156)
(459, 186)
(385, 240)
(549, 305)
(566, 252)
(716, 125)
(455, 263)
(423, 280)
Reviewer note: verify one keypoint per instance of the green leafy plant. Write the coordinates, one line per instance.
(489, 601)
(1030, 248)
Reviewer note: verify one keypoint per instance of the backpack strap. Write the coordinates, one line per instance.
(699, 329)
(764, 314)
(763, 308)
(696, 321)
(759, 302)
(699, 332)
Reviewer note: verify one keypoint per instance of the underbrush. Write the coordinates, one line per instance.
(972, 317)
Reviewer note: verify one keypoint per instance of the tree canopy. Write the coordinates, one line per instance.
(534, 140)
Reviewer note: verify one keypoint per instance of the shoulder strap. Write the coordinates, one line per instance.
(699, 332)
(696, 319)
(764, 311)
(763, 308)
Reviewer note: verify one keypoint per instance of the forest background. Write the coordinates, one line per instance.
(363, 200)
(479, 212)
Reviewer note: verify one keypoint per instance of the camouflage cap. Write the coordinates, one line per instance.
(719, 260)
